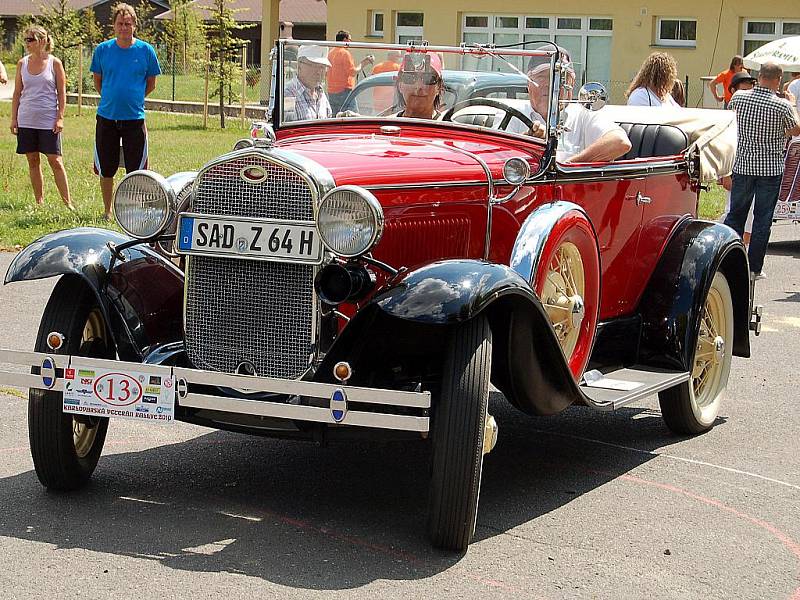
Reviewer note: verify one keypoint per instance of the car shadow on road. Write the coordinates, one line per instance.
(331, 518)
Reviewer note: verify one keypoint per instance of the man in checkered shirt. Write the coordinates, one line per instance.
(304, 98)
(764, 121)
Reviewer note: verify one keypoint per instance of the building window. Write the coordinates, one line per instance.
(376, 23)
(408, 27)
(676, 32)
(757, 32)
(588, 40)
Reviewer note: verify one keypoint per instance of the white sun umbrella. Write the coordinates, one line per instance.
(784, 52)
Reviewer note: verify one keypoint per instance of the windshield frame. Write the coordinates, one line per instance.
(276, 109)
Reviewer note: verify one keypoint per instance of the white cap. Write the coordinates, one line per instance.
(314, 54)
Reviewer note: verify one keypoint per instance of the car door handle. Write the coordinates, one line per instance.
(640, 199)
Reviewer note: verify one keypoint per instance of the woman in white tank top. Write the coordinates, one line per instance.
(37, 111)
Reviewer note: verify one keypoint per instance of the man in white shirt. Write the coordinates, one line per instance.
(587, 136)
(304, 98)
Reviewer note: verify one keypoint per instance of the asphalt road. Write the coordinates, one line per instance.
(581, 505)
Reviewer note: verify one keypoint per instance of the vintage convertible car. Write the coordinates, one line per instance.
(372, 276)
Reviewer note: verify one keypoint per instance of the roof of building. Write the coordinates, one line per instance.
(296, 11)
(19, 8)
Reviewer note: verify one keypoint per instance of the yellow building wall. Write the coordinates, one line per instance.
(719, 34)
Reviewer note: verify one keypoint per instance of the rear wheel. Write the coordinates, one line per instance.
(65, 448)
(458, 434)
(693, 406)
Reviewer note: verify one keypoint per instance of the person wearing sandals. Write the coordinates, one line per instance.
(37, 111)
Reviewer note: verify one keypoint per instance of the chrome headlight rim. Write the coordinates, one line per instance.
(169, 194)
(516, 170)
(377, 214)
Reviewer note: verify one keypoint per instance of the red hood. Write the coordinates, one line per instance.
(375, 159)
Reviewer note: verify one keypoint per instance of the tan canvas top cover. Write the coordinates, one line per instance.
(711, 132)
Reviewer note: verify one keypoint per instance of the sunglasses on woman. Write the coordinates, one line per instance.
(411, 77)
(30, 40)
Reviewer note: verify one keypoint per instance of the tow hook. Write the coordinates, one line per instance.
(755, 318)
(489, 434)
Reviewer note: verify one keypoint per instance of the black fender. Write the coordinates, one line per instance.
(141, 297)
(671, 304)
(405, 325)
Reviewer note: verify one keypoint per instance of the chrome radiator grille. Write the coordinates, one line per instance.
(244, 310)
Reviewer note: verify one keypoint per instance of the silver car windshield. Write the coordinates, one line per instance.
(484, 86)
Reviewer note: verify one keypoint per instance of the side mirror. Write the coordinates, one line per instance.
(593, 95)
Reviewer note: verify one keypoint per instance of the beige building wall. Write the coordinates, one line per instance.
(719, 33)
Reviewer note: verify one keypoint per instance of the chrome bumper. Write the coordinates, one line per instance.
(185, 399)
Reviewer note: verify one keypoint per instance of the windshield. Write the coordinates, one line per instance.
(500, 88)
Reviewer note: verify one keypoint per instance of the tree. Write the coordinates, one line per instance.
(64, 25)
(224, 47)
(145, 23)
(184, 34)
(92, 32)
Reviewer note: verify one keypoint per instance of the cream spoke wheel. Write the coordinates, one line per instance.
(65, 448)
(82, 437)
(562, 296)
(692, 407)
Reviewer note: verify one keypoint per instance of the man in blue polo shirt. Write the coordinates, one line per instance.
(124, 71)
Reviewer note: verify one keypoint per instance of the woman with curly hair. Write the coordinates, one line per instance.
(652, 85)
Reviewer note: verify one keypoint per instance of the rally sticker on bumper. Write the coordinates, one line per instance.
(99, 392)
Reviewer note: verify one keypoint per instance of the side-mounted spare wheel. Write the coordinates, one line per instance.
(65, 448)
(459, 422)
(693, 406)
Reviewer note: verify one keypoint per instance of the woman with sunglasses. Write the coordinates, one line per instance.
(37, 111)
(420, 86)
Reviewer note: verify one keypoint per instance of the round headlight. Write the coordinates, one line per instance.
(350, 220)
(516, 171)
(144, 203)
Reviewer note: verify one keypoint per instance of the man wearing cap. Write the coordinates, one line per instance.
(763, 121)
(310, 101)
(587, 136)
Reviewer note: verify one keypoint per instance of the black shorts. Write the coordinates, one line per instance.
(107, 136)
(38, 140)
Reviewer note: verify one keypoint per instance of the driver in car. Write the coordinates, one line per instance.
(587, 136)
(420, 86)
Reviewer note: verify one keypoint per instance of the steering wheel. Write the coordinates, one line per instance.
(509, 111)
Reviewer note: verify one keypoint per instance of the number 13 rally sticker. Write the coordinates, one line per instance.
(107, 393)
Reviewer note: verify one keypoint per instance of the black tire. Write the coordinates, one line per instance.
(692, 407)
(457, 434)
(66, 448)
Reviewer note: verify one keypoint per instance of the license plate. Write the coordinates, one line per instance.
(257, 239)
(97, 392)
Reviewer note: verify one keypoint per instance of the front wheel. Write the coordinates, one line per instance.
(693, 406)
(458, 432)
(65, 448)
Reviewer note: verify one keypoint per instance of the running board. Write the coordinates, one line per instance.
(610, 391)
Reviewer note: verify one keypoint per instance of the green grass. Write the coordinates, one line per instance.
(177, 143)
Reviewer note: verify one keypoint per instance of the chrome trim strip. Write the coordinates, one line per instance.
(533, 235)
(306, 413)
(615, 168)
(489, 181)
(418, 47)
(428, 184)
(374, 396)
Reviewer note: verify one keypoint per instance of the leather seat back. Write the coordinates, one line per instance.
(654, 140)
